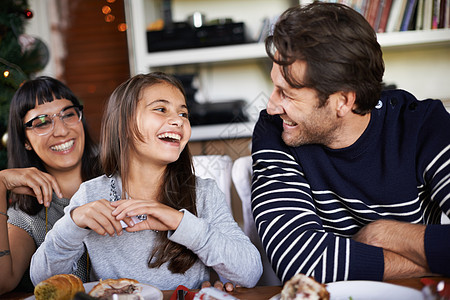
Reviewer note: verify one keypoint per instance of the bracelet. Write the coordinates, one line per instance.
(2, 213)
(5, 252)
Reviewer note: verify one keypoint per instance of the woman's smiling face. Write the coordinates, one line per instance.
(62, 148)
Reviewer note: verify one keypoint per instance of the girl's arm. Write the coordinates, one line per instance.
(213, 236)
(60, 251)
(217, 239)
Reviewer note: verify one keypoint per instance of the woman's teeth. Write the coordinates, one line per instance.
(168, 135)
(63, 147)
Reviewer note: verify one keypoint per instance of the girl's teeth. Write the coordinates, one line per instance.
(173, 136)
(63, 147)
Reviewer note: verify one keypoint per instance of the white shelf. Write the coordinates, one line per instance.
(206, 55)
(402, 39)
(257, 50)
(229, 131)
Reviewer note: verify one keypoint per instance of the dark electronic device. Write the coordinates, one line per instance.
(181, 35)
(211, 113)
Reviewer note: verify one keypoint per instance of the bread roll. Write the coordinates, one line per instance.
(59, 287)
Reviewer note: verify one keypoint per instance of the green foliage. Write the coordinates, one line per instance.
(20, 56)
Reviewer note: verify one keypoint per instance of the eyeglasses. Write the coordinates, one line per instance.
(44, 124)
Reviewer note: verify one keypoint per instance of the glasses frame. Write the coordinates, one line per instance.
(29, 124)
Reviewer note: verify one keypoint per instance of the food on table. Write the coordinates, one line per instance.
(212, 293)
(58, 287)
(302, 287)
(121, 286)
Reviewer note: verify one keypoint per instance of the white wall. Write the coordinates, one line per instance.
(425, 72)
(39, 26)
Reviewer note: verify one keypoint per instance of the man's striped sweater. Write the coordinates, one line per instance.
(308, 201)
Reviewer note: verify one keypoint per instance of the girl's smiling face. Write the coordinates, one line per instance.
(62, 148)
(162, 120)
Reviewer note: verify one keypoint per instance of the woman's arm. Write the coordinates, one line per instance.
(16, 240)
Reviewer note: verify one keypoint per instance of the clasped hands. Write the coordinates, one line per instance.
(103, 216)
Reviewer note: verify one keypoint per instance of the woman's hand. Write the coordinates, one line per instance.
(31, 181)
(97, 215)
(159, 216)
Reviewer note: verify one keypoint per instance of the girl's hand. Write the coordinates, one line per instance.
(31, 181)
(97, 215)
(227, 287)
(159, 216)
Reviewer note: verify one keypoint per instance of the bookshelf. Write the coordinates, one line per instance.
(242, 71)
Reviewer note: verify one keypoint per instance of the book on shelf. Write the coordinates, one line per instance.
(381, 26)
(408, 15)
(400, 15)
(419, 15)
(372, 12)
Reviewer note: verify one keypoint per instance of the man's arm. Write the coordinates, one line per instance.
(403, 247)
(401, 238)
(397, 266)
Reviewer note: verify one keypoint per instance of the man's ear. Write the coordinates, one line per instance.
(345, 103)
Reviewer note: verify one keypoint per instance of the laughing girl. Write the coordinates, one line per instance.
(155, 222)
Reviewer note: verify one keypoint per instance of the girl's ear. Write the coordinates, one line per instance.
(28, 146)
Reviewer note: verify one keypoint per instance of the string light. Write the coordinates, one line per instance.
(6, 73)
(109, 17)
(106, 9)
(122, 27)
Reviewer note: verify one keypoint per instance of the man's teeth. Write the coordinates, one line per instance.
(63, 147)
(168, 135)
(288, 123)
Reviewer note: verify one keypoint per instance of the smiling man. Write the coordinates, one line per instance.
(349, 182)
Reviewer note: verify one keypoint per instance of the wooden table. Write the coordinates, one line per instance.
(261, 292)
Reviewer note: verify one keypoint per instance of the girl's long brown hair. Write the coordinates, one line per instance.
(119, 130)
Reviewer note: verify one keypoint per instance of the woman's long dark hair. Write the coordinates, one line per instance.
(118, 132)
(41, 90)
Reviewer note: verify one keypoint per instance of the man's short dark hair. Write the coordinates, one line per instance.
(339, 47)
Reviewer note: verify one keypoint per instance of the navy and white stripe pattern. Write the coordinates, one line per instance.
(308, 201)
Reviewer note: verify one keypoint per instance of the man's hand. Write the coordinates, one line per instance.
(401, 238)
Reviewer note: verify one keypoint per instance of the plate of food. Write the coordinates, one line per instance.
(65, 285)
(303, 287)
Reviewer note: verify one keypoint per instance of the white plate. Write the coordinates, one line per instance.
(368, 290)
(149, 292)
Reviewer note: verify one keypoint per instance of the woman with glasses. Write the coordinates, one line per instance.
(50, 153)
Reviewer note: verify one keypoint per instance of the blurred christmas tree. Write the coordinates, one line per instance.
(21, 56)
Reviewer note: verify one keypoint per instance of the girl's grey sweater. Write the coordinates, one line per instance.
(213, 236)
